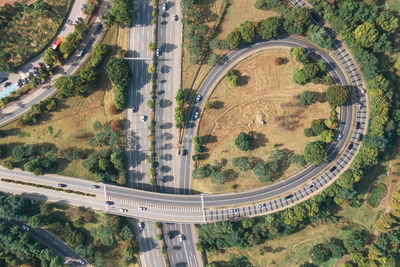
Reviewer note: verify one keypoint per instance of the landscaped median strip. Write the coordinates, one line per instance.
(48, 187)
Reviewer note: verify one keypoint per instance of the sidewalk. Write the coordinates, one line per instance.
(23, 105)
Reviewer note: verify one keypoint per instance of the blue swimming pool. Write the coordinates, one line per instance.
(8, 90)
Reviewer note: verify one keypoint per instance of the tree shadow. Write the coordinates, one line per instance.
(209, 139)
(321, 97)
(243, 80)
(230, 175)
(260, 140)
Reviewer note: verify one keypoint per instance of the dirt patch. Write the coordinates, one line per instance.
(267, 94)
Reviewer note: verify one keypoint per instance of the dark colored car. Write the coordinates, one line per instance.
(170, 235)
(360, 137)
(62, 185)
(109, 202)
(289, 196)
(350, 146)
(333, 169)
(98, 29)
(184, 152)
(7, 84)
(3, 79)
(95, 186)
(358, 125)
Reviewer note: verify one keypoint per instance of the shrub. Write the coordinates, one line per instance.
(308, 132)
(307, 98)
(244, 141)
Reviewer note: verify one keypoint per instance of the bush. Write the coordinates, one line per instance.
(308, 132)
(307, 98)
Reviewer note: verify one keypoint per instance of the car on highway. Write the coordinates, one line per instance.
(142, 208)
(181, 237)
(109, 202)
(95, 186)
(350, 146)
(234, 210)
(123, 210)
(196, 115)
(158, 52)
(311, 185)
(288, 196)
(339, 137)
(6, 84)
(164, 6)
(143, 118)
(61, 185)
(184, 152)
(358, 125)
(141, 225)
(80, 53)
(261, 206)
(175, 17)
(198, 98)
(170, 235)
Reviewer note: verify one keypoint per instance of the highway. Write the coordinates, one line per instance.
(137, 143)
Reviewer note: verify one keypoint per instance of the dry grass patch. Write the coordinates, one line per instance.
(267, 94)
(71, 125)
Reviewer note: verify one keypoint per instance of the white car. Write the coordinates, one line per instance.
(141, 226)
(123, 210)
(25, 228)
(142, 208)
(164, 6)
(181, 237)
(174, 17)
(339, 137)
(196, 115)
(198, 98)
(311, 185)
(143, 118)
(261, 205)
(158, 52)
(80, 53)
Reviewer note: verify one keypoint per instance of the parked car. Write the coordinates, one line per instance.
(142, 208)
(360, 137)
(123, 210)
(109, 202)
(25, 228)
(311, 185)
(358, 125)
(175, 17)
(6, 84)
(164, 6)
(234, 210)
(350, 146)
(196, 115)
(184, 152)
(141, 225)
(181, 237)
(288, 196)
(333, 169)
(261, 205)
(143, 118)
(158, 52)
(3, 79)
(80, 53)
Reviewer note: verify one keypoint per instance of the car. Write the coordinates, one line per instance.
(25, 81)
(196, 115)
(61, 185)
(339, 137)
(98, 29)
(133, 108)
(184, 152)
(360, 137)
(362, 91)
(142, 208)
(181, 237)
(20, 82)
(80, 53)
(25, 228)
(79, 20)
(288, 196)
(3, 79)
(81, 261)
(170, 235)
(158, 52)
(358, 125)
(311, 185)
(261, 205)
(35, 71)
(141, 225)
(350, 146)
(109, 202)
(333, 169)
(175, 17)
(234, 210)
(359, 105)
(6, 84)
(123, 210)
(95, 186)
(198, 98)
(143, 118)
(164, 6)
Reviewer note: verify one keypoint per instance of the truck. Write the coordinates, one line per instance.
(55, 45)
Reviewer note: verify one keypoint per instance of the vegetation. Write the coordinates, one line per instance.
(121, 12)
(244, 141)
(232, 78)
(119, 74)
(27, 29)
(337, 95)
(314, 153)
(307, 98)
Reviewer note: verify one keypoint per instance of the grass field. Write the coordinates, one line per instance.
(377, 193)
(73, 120)
(28, 33)
(393, 5)
(291, 250)
(268, 94)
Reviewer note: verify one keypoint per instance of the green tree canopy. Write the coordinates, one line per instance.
(122, 12)
(234, 38)
(386, 21)
(248, 31)
(366, 34)
(314, 153)
(244, 141)
(337, 95)
(307, 98)
(269, 28)
(118, 71)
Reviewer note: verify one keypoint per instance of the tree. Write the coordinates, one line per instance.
(67, 85)
(397, 64)
(337, 95)
(307, 98)
(317, 126)
(314, 153)
(201, 172)
(244, 141)
(152, 46)
(239, 261)
(212, 59)
(50, 55)
(234, 38)
(242, 163)
(35, 221)
(386, 21)
(356, 241)
(214, 43)
(232, 78)
(366, 34)
(122, 12)
(81, 28)
(118, 71)
(259, 4)
(260, 170)
(217, 177)
(326, 136)
(300, 18)
(299, 77)
(69, 44)
(300, 55)
(247, 30)
(319, 254)
(269, 28)
(308, 132)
